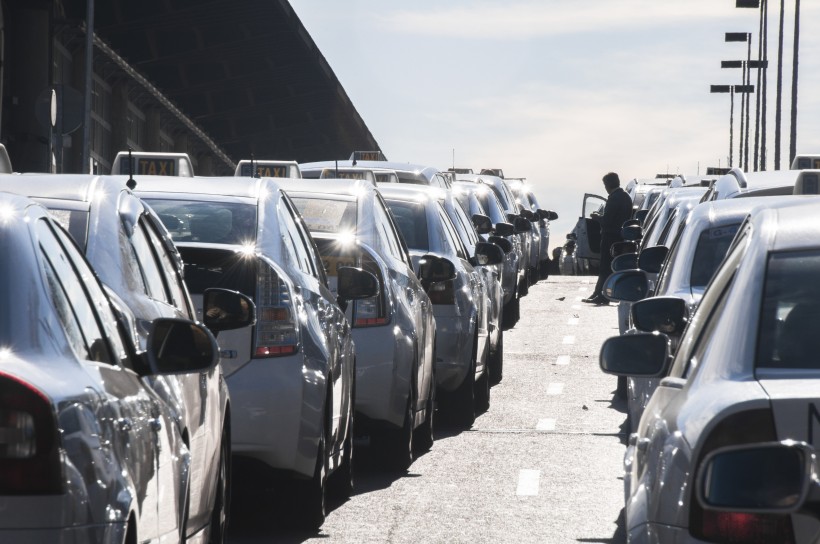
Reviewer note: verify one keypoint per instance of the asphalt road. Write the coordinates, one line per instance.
(542, 465)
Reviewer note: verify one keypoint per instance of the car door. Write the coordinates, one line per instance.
(132, 414)
(588, 230)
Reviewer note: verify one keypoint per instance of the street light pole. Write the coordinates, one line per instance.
(778, 111)
(795, 55)
(730, 89)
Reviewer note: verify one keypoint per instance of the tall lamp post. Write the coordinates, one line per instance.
(728, 89)
(743, 160)
(747, 67)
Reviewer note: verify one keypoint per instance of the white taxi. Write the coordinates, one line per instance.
(746, 371)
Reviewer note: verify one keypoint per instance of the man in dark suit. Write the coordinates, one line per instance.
(617, 211)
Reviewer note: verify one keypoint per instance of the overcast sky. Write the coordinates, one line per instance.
(558, 91)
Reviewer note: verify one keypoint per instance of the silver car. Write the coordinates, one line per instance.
(746, 371)
(91, 452)
(405, 173)
(461, 305)
(394, 332)
(133, 254)
(291, 375)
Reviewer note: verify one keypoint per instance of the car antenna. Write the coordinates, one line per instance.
(131, 183)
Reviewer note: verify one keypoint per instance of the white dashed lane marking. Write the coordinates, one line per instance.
(545, 425)
(555, 389)
(569, 340)
(562, 360)
(528, 481)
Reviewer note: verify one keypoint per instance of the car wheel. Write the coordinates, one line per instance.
(341, 482)
(524, 288)
(397, 444)
(222, 502)
(482, 391)
(311, 510)
(496, 364)
(463, 399)
(423, 436)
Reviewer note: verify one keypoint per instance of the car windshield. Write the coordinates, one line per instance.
(711, 249)
(327, 215)
(790, 313)
(411, 219)
(207, 222)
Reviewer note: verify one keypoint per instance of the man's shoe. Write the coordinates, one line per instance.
(601, 301)
(592, 299)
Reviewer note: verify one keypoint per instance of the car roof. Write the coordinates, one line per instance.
(238, 187)
(343, 187)
(428, 172)
(407, 191)
(795, 220)
(74, 187)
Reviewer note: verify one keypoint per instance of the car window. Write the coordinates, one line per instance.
(168, 268)
(72, 290)
(295, 240)
(667, 228)
(710, 251)
(465, 228)
(207, 222)
(452, 237)
(147, 263)
(695, 338)
(307, 240)
(788, 334)
(411, 219)
(385, 228)
(330, 215)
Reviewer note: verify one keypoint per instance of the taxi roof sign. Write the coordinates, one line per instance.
(368, 156)
(806, 162)
(347, 172)
(268, 169)
(808, 182)
(149, 163)
(5, 161)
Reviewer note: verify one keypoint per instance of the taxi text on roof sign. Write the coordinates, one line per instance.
(264, 171)
(367, 156)
(150, 167)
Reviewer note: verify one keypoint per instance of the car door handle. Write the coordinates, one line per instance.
(124, 424)
(156, 424)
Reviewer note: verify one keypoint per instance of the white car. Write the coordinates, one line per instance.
(461, 305)
(291, 374)
(746, 371)
(395, 332)
(90, 452)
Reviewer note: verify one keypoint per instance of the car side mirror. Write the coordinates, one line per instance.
(522, 225)
(179, 346)
(354, 284)
(528, 215)
(668, 315)
(487, 254)
(631, 233)
(434, 269)
(504, 229)
(505, 245)
(763, 478)
(626, 286)
(651, 259)
(620, 248)
(225, 310)
(482, 223)
(627, 261)
(640, 355)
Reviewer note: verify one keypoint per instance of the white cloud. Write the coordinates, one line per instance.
(526, 20)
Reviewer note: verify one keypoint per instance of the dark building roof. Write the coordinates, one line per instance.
(246, 71)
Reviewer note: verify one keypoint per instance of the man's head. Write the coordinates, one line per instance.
(611, 182)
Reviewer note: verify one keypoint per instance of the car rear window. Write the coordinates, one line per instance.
(207, 222)
(790, 312)
(206, 267)
(411, 219)
(710, 251)
(327, 214)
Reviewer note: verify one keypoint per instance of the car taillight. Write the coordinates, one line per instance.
(442, 292)
(29, 446)
(371, 312)
(743, 428)
(277, 331)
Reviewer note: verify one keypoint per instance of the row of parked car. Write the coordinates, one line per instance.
(719, 357)
(174, 328)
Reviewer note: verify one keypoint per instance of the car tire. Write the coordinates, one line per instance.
(463, 399)
(496, 362)
(310, 507)
(482, 391)
(222, 500)
(396, 445)
(341, 483)
(423, 436)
